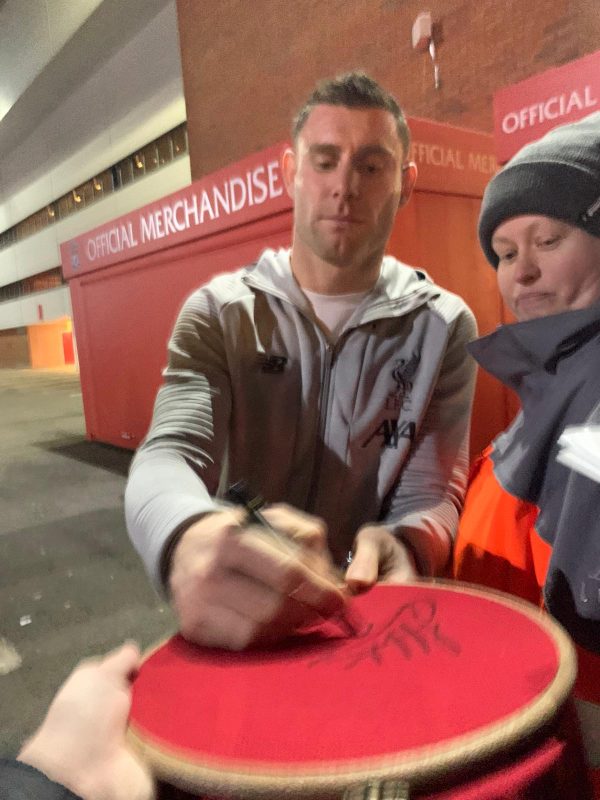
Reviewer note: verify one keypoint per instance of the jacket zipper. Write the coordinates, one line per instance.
(330, 350)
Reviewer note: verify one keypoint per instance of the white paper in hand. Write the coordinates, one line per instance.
(580, 450)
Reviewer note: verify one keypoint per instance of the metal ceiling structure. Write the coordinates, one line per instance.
(49, 51)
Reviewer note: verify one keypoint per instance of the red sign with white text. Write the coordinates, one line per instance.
(525, 111)
(451, 160)
(248, 190)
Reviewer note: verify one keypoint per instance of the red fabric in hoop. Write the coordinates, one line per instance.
(433, 664)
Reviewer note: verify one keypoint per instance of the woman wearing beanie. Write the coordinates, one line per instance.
(530, 525)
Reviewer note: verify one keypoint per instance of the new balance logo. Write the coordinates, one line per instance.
(271, 364)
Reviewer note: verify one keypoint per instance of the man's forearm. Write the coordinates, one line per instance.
(163, 495)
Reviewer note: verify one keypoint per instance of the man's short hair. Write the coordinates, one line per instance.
(353, 90)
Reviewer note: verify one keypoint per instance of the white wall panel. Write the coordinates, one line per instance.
(41, 251)
(129, 93)
(48, 23)
(145, 190)
(153, 187)
(65, 17)
(140, 126)
(8, 265)
(56, 303)
(35, 254)
(132, 98)
(24, 21)
(11, 314)
(18, 206)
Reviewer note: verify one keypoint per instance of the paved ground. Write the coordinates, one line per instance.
(70, 583)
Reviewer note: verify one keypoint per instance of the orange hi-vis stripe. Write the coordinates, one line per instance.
(497, 546)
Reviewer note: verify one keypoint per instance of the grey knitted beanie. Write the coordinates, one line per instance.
(556, 176)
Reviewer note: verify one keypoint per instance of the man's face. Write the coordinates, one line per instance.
(546, 266)
(345, 176)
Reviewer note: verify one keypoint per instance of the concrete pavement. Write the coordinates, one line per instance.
(70, 583)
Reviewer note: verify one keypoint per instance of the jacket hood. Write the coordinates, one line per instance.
(399, 288)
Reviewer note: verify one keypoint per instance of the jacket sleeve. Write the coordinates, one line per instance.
(176, 470)
(19, 781)
(424, 508)
(571, 586)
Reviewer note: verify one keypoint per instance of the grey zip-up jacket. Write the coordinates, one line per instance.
(373, 428)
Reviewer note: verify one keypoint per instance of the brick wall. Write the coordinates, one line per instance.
(14, 348)
(248, 65)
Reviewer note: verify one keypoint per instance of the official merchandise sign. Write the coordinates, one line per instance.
(451, 160)
(525, 111)
(250, 189)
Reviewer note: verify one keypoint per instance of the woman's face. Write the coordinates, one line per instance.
(546, 266)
